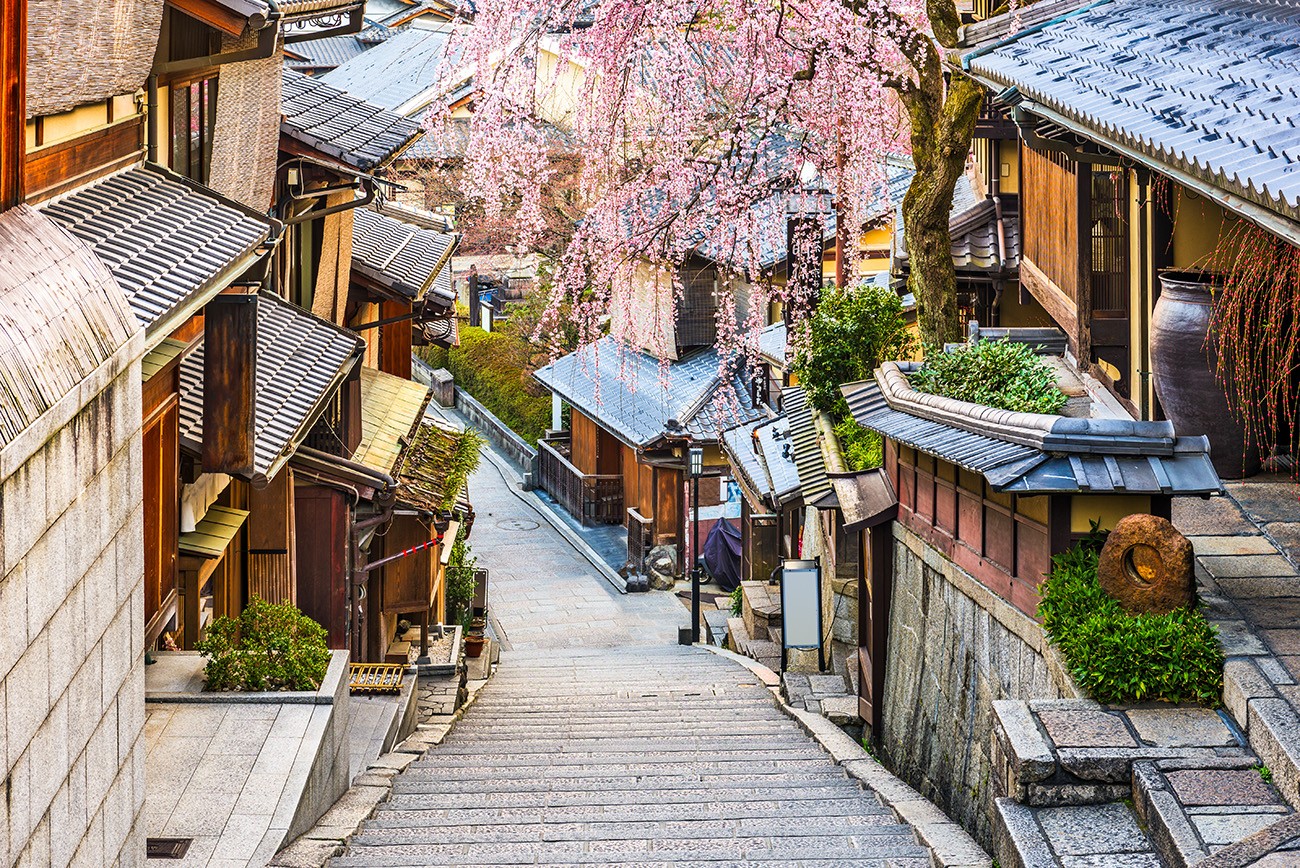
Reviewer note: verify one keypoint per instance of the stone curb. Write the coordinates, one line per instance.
(950, 845)
(328, 838)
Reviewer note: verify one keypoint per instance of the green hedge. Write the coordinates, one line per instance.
(1118, 657)
(1001, 374)
(492, 367)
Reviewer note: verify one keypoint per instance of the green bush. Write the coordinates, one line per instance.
(270, 646)
(493, 368)
(737, 599)
(863, 448)
(993, 373)
(852, 332)
(460, 581)
(1118, 657)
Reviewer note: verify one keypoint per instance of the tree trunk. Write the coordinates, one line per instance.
(942, 124)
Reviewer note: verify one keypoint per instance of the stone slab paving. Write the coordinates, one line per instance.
(640, 755)
(599, 740)
(228, 775)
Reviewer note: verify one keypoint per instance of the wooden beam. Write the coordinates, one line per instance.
(1059, 306)
(1083, 263)
(13, 100)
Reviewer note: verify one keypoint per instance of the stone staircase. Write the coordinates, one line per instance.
(757, 632)
(646, 756)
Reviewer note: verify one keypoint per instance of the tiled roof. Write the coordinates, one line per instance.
(169, 242)
(391, 407)
(401, 69)
(762, 455)
(1180, 467)
(632, 395)
(771, 343)
(324, 53)
(293, 10)
(61, 317)
(814, 484)
(326, 119)
(301, 361)
(402, 256)
(1208, 87)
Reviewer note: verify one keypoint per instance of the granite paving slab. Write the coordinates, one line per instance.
(1086, 728)
(1221, 787)
(1180, 727)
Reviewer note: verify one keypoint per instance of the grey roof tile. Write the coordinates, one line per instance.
(325, 118)
(1025, 469)
(1209, 87)
(638, 399)
(301, 361)
(814, 484)
(405, 257)
(168, 241)
(772, 343)
(391, 74)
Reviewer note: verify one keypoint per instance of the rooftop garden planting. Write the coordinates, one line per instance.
(1119, 657)
(270, 646)
(1002, 374)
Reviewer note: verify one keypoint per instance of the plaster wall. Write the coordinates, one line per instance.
(71, 637)
(954, 648)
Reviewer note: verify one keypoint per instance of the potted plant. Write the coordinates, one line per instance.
(474, 637)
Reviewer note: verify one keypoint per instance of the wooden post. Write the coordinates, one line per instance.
(1083, 281)
(13, 100)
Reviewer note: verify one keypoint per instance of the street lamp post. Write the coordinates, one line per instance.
(697, 469)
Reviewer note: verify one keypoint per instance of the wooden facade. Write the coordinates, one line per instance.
(324, 529)
(161, 454)
(13, 111)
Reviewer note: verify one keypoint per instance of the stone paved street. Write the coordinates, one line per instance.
(631, 750)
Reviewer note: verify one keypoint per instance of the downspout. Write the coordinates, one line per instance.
(151, 128)
(1144, 291)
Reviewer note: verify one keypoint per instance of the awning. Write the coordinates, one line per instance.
(337, 124)
(401, 257)
(866, 499)
(301, 362)
(170, 243)
(214, 532)
(391, 408)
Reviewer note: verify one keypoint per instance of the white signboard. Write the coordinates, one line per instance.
(801, 604)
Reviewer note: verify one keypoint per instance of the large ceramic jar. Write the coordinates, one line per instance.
(1183, 364)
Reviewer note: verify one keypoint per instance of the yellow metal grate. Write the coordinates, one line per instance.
(376, 677)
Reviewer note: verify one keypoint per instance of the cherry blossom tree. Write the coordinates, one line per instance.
(704, 122)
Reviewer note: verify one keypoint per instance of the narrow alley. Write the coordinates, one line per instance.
(601, 741)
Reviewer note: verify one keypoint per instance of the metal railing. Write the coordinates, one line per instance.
(589, 497)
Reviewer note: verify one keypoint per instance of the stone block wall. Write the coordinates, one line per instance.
(954, 648)
(71, 638)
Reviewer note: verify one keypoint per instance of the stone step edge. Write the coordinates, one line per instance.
(949, 844)
(330, 835)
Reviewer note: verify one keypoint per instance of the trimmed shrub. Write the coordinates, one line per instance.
(493, 368)
(1002, 374)
(270, 646)
(1118, 657)
(863, 448)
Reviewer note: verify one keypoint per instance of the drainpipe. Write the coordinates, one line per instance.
(1144, 291)
(151, 119)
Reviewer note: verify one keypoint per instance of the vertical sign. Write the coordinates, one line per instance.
(801, 605)
(803, 243)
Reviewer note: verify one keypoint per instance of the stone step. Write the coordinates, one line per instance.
(470, 771)
(422, 798)
(411, 807)
(615, 745)
(438, 759)
(1197, 812)
(626, 729)
(881, 821)
(433, 781)
(873, 847)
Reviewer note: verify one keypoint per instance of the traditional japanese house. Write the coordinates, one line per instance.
(1132, 156)
(384, 272)
(624, 458)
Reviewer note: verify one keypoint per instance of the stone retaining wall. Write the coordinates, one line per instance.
(955, 648)
(72, 642)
